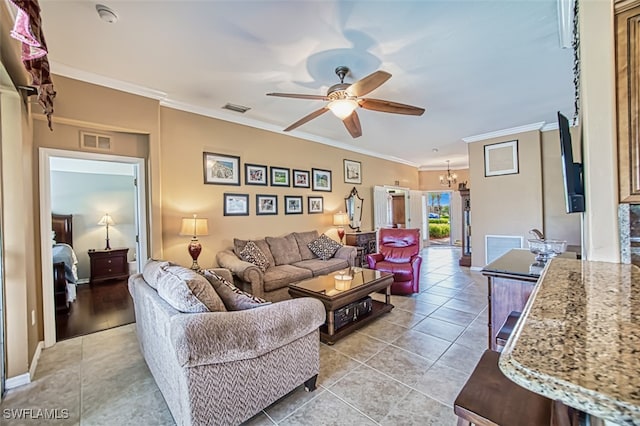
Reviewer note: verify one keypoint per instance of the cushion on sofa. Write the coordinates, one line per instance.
(252, 253)
(187, 291)
(323, 267)
(238, 245)
(303, 239)
(284, 249)
(234, 299)
(151, 270)
(324, 247)
(278, 277)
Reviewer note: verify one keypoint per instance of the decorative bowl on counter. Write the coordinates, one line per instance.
(546, 249)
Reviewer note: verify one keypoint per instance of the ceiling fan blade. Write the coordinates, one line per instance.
(388, 106)
(306, 118)
(352, 123)
(299, 96)
(368, 83)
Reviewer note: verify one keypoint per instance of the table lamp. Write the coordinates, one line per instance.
(340, 220)
(194, 226)
(106, 220)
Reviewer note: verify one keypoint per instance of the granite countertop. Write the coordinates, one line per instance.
(578, 340)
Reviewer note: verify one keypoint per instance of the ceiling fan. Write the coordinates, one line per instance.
(345, 98)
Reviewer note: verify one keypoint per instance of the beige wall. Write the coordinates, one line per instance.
(507, 205)
(186, 136)
(429, 180)
(557, 223)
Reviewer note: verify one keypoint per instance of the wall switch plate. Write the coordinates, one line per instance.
(33, 317)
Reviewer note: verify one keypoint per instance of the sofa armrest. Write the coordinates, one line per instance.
(374, 258)
(245, 271)
(219, 337)
(347, 253)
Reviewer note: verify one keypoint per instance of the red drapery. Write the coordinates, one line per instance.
(28, 29)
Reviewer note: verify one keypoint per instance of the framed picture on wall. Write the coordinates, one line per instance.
(315, 205)
(266, 204)
(255, 174)
(221, 169)
(292, 204)
(321, 180)
(301, 178)
(279, 176)
(501, 158)
(352, 171)
(236, 204)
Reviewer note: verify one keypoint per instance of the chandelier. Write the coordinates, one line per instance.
(449, 178)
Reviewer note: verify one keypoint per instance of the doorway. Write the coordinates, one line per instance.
(438, 208)
(99, 186)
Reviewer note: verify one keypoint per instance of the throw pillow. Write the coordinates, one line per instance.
(186, 291)
(324, 247)
(284, 249)
(252, 253)
(151, 271)
(238, 245)
(234, 299)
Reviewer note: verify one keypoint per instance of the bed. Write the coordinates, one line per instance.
(65, 262)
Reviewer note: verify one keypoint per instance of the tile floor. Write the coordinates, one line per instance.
(405, 368)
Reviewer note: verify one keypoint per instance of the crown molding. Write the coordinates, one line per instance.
(505, 132)
(89, 77)
(549, 126)
(454, 168)
(70, 72)
(245, 121)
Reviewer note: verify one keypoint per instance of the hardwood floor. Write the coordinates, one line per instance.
(97, 307)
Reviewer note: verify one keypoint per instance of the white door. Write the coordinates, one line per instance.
(416, 212)
(455, 217)
(381, 218)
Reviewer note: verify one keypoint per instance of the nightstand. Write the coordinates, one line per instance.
(108, 264)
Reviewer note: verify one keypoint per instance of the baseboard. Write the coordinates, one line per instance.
(476, 268)
(24, 379)
(36, 357)
(16, 381)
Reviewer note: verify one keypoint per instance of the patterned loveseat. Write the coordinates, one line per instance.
(215, 366)
(286, 260)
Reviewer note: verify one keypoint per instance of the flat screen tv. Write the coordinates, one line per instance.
(572, 172)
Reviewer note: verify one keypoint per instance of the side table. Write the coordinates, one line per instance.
(366, 240)
(108, 264)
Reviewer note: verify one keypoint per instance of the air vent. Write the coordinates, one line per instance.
(237, 108)
(497, 245)
(95, 142)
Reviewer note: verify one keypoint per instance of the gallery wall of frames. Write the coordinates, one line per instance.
(224, 169)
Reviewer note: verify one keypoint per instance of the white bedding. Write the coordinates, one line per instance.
(65, 253)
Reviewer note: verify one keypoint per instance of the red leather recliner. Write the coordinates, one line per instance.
(399, 253)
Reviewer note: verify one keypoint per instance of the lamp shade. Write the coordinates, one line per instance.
(340, 219)
(194, 226)
(106, 220)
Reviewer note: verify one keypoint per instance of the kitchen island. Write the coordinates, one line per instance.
(578, 339)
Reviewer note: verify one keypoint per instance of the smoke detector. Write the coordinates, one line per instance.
(106, 14)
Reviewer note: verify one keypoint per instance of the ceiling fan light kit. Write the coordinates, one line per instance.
(342, 108)
(345, 98)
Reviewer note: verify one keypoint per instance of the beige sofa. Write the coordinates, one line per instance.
(290, 260)
(221, 368)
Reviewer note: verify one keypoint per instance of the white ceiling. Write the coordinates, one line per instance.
(476, 66)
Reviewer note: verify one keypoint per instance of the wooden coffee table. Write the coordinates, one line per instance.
(365, 281)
